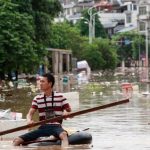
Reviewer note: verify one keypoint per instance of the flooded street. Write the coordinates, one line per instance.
(123, 127)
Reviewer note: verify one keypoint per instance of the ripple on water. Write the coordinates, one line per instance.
(123, 127)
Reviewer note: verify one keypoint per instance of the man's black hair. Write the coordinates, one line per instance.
(50, 78)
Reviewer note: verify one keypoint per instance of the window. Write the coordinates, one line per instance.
(142, 10)
(128, 18)
(134, 7)
(142, 26)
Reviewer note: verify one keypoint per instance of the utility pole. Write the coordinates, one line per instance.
(144, 24)
(91, 24)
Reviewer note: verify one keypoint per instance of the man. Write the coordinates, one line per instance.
(49, 104)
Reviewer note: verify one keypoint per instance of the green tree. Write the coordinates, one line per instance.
(93, 56)
(66, 36)
(108, 52)
(128, 45)
(24, 33)
(100, 54)
(138, 46)
(17, 47)
(43, 13)
(59, 34)
(83, 25)
(24, 6)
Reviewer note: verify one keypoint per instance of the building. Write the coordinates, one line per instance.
(72, 9)
(115, 15)
(144, 26)
(144, 15)
(112, 22)
(130, 11)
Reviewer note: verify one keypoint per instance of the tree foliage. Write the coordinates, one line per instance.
(17, 47)
(26, 29)
(43, 13)
(100, 55)
(66, 36)
(24, 33)
(128, 45)
(93, 56)
(83, 25)
(109, 53)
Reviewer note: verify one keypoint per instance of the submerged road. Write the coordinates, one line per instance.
(123, 127)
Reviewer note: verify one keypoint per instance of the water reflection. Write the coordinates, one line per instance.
(123, 127)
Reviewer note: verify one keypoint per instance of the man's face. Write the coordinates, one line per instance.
(44, 84)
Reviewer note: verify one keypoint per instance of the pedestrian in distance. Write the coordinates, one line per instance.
(49, 104)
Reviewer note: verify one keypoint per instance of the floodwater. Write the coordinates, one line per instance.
(122, 127)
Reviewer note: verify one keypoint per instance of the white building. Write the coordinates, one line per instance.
(122, 17)
(144, 15)
(111, 21)
(72, 9)
(130, 11)
(144, 27)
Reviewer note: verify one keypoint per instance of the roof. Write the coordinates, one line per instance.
(109, 24)
(103, 4)
(73, 17)
(127, 29)
(89, 4)
(70, 5)
(110, 20)
(111, 16)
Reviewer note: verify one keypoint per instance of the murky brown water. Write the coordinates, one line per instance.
(123, 127)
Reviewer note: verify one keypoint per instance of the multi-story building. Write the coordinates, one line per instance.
(144, 26)
(72, 9)
(114, 14)
(130, 11)
(144, 15)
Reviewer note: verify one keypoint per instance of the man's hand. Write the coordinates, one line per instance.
(30, 122)
(30, 115)
(65, 113)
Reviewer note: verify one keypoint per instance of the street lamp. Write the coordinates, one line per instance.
(93, 27)
(90, 27)
(146, 43)
(146, 29)
(91, 24)
(146, 61)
